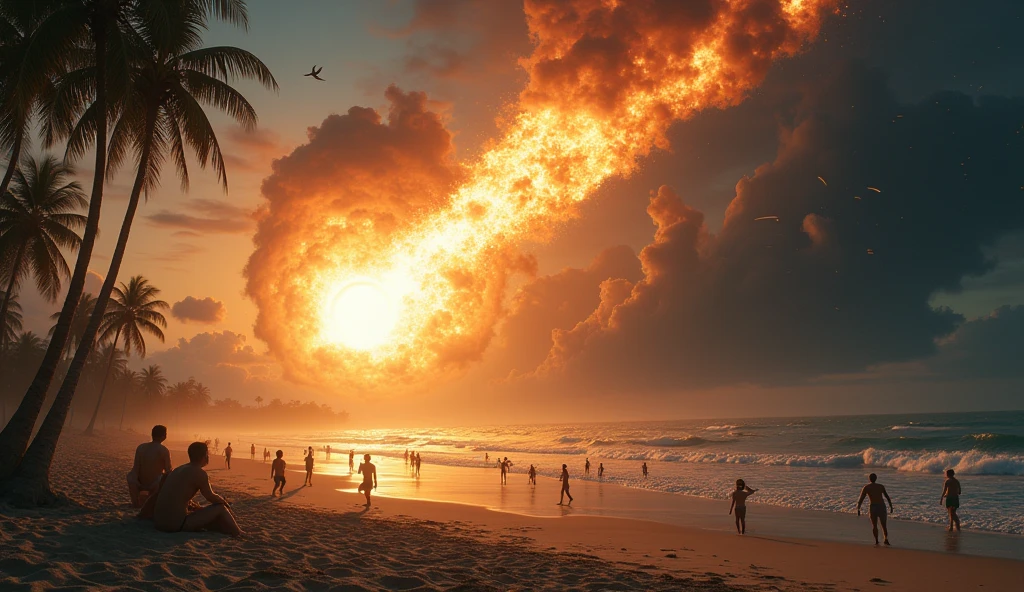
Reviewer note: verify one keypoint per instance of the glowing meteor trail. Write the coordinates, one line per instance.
(398, 315)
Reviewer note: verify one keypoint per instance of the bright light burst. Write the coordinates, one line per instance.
(399, 309)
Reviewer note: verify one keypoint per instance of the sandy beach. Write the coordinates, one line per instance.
(321, 537)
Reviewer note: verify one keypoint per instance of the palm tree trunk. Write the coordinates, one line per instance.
(7, 302)
(124, 405)
(103, 387)
(12, 165)
(32, 483)
(14, 439)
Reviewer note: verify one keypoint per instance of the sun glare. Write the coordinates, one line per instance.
(362, 316)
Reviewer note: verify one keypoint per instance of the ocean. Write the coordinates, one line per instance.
(817, 463)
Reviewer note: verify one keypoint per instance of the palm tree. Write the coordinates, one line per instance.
(86, 304)
(107, 24)
(259, 402)
(37, 220)
(10, 323)
(132, 311)
(29, 61)
(152, 381)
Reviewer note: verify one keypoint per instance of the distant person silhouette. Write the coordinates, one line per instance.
(505, 466)
(152, 462)
(644, 469)
(369, 473)
(309, 468)
(565, 486)
(532, 476)
(227, 455)
(277, 472)
(487, 457)
(600, 470)
(951, 492)
(586, 467)
(216, 445)
(352, 459)
(171, 509)
(419, 461)
(328, 452)
(876, 509)
(266, 455)
(252, 452)
(739, 501)
(406, 456)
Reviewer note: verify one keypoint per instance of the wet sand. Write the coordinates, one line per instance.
(320, 537)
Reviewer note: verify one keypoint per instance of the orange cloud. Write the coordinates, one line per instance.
(206, 310)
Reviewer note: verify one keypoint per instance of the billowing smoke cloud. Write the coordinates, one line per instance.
(828, 256)
(382, 203)
(206, 310)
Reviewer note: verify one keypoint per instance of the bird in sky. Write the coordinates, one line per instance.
(315, 73)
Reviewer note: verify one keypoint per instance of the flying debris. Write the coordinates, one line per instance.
(823, 181)
(856, 197)
(871, 251)
(315, 73)
(876, 190)
(776, 218)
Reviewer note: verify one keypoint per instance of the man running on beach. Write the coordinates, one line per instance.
(951, 492)
(227, 455)
(152, 461)
(277, 472)
(171, 510)
(876, 509)
(369, 472)
(739, 501)
(565, 486)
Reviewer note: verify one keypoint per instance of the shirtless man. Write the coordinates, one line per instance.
(171, 509)
(739, 501)
(951, 492)
(369, 472)
(565, 486)
(227, 455)
(875, 492)
(152, 460)
(277, 472)
(505, 466)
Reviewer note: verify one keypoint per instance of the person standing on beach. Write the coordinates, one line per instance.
(152, 462)
(586, 467)
(216, 445)
(369, 473)
(266, 455)
(352, 459)
(739, 501)
(419, 460)
(277, 472)
(644, 469)
(951, 492)
(227, 455)
(328, 452)
(876, 510)
(600, 470)
(565, 486)
(406, 456)
(309, 468)
(252, 452)
(170, 512)
(532, 476)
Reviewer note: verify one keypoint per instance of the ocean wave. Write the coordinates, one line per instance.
(569, 440)
(670, 442)
(720, 428)
(995, 442)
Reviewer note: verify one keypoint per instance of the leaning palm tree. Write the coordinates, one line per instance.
(109, 26)
(133, 311)
(29, 61)
(37, 220)
(10, 323)
(86, 304)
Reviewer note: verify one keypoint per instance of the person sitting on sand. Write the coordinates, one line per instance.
(739, 501)
(309, 468)
(600, 470)
(227, 455)
(951, 492)
(252, 452)
(152, 462)
(170, 512)
(876, 509)
(565, 486)
(644, 470)
(369, 472)
(277, 472)
(533, 475)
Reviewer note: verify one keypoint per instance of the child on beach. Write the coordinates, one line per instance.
(951, 492)
(277, 472)
(309, 468)
(739, 501)
(369, 473)
(565, 486)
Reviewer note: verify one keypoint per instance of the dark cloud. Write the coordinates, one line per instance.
(842, 281)
(207, 217)
(988, 347)
(251, 151)
(206, 310)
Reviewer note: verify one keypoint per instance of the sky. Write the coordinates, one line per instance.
(659, 295)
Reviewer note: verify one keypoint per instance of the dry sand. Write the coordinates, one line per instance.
(321, 538)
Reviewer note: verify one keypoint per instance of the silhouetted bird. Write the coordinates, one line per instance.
(315, 73)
